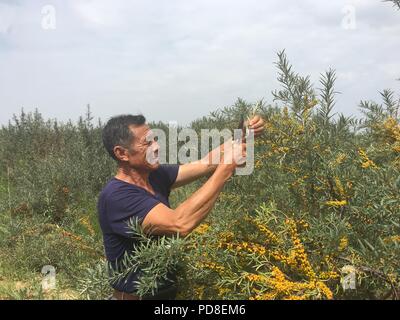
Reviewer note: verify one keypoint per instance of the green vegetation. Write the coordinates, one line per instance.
(324, 196)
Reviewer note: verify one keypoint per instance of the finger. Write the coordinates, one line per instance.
(259, 123)
(254, 120)
(259, 129)
(241, 160)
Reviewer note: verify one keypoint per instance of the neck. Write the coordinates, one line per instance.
(133, 176)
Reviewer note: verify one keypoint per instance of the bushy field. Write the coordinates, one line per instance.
(322, 202)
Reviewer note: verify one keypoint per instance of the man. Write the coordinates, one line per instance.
(141, 188)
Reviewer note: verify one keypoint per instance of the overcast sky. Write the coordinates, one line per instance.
(180, 59)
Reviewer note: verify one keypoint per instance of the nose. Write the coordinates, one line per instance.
(156, 146)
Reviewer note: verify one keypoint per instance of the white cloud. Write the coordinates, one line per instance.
(181, 59)
(99, 13)
(7, 16)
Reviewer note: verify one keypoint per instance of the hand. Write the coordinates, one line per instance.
(257, 125)
(234, 155)
(216, 156)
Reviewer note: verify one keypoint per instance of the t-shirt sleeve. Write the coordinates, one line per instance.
(126, 206)
(169, 173)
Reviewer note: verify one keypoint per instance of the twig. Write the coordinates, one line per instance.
(377, 273)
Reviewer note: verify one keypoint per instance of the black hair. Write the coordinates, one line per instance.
(117, 132)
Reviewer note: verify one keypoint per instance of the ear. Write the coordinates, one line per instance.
(121, 153)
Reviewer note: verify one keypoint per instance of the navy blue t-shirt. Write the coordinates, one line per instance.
(118, 203)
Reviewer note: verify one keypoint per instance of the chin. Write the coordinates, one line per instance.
(154, 166)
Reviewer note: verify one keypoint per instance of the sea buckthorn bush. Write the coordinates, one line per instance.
(323, 199)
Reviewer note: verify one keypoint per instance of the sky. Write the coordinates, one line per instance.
(178, 60)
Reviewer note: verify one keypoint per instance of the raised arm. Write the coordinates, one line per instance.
(162, 220)
(192, 171)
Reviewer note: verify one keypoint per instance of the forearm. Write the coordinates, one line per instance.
(192, 211)
(192, 171)
(196, 218)
(163, 220)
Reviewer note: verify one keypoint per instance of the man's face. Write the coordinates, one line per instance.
(143, 152)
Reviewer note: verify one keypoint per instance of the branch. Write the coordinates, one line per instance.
(377, 273)
(396, 3)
